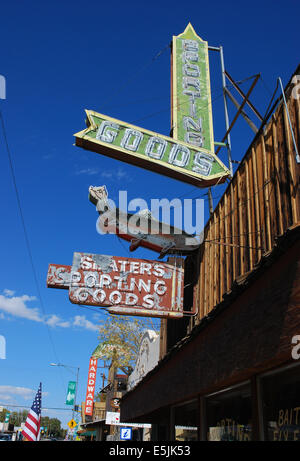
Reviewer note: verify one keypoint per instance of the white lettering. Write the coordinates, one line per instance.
(296, 349)
(105, 132)
(131, 139)
(156, 147)
(160, 287)
(179, 155)
(148, 301)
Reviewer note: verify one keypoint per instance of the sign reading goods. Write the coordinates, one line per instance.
(149, 150)
(122, 285)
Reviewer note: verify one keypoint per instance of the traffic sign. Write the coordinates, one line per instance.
(126, 433)
(72, 424)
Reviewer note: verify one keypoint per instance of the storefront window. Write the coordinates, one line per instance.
(281, 405)
(186, 417)
(229, 415)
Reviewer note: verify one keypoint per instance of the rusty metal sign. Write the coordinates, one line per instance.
(150, 233)
(115, 402)
(122, 285)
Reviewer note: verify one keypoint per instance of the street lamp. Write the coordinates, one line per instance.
(77, 374)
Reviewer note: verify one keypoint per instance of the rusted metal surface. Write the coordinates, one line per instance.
(59, 276)
(146, 231)
(122, 285)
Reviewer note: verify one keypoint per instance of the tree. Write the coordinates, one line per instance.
(18, 417)
(120, 338)
(53, 426)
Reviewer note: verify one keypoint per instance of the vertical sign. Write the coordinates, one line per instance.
(89, 399)
(70, 400)
(191, 96)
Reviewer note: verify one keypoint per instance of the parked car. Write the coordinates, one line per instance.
(5, 437)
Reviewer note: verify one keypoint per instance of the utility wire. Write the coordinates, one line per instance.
(25, 231)
(218, 91)
(130, 79)
(24, 406)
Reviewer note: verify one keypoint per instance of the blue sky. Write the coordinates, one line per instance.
(58, 59)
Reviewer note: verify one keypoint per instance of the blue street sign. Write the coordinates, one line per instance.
(126, 433)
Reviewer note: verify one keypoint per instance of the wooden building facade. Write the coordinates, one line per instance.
(216, 367)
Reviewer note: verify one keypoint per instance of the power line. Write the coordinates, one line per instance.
(25, 230)
(130, 79)
(24, 406)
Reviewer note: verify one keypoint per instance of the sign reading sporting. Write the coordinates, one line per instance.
(122, 285)
(171, 157)
(191, 96)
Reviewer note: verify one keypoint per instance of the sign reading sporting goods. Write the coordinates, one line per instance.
(189, 154)
(152, 151)
(191, 97)
(122, 285)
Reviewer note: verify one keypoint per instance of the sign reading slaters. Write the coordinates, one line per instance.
(125, 286)
(152, 151)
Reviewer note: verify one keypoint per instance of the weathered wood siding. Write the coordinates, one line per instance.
(260, 204)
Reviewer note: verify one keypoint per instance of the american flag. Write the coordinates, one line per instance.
(31, 430)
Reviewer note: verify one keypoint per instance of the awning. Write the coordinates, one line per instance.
(84, 433)
(90, 425)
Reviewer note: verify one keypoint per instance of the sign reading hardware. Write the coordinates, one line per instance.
(90, 391)
(149, 150)
(191, 97)
(122, 285)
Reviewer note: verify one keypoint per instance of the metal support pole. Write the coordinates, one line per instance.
(210, 201)
(77, 375)
(243, 113)
(290, 123)
(226, 111)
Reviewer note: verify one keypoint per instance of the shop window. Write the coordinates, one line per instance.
(186, 417)
(229, 415)
(281, 405)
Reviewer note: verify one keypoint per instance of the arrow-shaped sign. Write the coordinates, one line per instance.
(152, 151)
(189, 155)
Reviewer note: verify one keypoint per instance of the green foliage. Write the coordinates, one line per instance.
(53, 426)
(100, 397)
(17, 417)
(120, 338)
